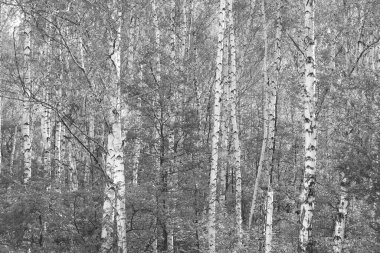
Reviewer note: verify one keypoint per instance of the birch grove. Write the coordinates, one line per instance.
(189, 126)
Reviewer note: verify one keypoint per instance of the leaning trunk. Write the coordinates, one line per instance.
(266, 120)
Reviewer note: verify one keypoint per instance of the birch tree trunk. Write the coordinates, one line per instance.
(184, 32)
(115, 136)
(13, 151)
(89, 161)
(225, 110)
(91, 134)
(171, 138)
(341, 216)
(272, 132)
(25, 129)
(59, 135)
(216, 131)
(236, 150)
(137, 142)
(264, 146)
(307, 197)
(73, 174)
(45, 132)
(115, 192)
(158, 79)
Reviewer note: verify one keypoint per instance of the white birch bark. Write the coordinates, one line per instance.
(91, 126)
(216, 132)
(272, 132)
(13, 151)
(225, 111)
(236, 149)
(269, 220)
(59, 131)
(115, 137)
(341, 216)
(115, 193)
(307, 197)
(45, 132)
(266, 119)
(25, 128)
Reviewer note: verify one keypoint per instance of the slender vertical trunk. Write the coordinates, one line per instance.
(171, 138)
(236, 150)
(307, 197)
(13, 151)
(264, 146)
(90, 161)
(115, 192)
(137, 142)
(216, 131)
(341, 216)
(272, 133)
(58, 152)
(225, 110)
(269, 219)
(73, 174)
(25, 129)
(136, 159)
(115, 137)
(45, 132)
(59, 135)
(184, 32)
(158, 79)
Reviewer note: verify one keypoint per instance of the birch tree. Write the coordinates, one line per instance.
(131, 53)
(216, 131)
(236, 150)
(307, 197)
(115, 191)
(272, 132)
(45, 132)
(158, 160)
(225, 111)
(266, 108)
(341, 216)
(25, 129)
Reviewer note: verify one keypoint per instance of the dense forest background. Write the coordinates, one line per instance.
(112, 113)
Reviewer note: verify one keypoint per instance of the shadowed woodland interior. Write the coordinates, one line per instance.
(190, 126)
